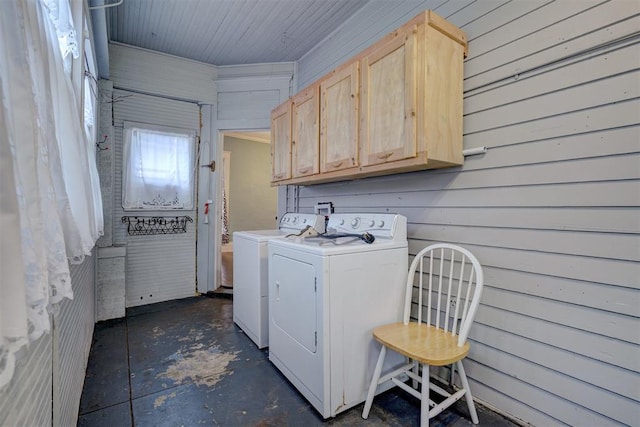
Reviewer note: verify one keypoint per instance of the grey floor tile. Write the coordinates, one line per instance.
(190, 365)
(107, 377)
(116, 415)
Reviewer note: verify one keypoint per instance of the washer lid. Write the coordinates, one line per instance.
(260, 235)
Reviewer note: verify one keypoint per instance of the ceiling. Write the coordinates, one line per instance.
(228, 32)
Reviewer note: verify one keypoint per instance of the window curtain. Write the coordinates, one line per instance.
(47, 202)
(158, 171)
(59, 14)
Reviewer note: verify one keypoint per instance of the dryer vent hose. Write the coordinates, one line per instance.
(365, 237)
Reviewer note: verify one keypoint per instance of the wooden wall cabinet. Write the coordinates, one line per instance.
(305, 137)
(395, 107)
(281, 143)
(339, 119)
(389, 100)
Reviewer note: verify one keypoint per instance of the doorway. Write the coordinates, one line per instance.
(248, 200)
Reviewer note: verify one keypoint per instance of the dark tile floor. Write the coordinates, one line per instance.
(185, 363)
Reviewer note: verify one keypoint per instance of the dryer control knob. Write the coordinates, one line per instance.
(295, 219)
(355, 222)
(372, 223)
(381, 224)
(342, 222)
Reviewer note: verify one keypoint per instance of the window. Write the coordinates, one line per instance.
(158, 169)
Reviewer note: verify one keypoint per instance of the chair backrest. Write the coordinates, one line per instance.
(444, 287)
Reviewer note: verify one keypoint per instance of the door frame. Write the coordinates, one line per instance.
(209, 271)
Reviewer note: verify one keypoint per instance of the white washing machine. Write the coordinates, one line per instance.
(325, 298)
(250, 273)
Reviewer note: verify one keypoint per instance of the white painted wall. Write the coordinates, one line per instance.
(158, 267)
(47, 384)
(551, 210)
(160, 74)
(163, 89)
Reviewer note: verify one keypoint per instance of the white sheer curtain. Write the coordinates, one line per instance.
(59, 14)
(158, 171)
(44, 158)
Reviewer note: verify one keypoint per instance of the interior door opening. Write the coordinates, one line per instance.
(247, 199)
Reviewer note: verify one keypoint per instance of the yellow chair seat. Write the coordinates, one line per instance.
(421, 342)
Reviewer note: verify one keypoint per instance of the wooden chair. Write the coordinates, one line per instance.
(443, 291)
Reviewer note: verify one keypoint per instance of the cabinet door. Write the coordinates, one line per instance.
(281, 142)
(306, 133)
(388, 106)
(339, 119)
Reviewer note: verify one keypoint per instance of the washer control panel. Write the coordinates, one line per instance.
(299, 221)
(382, 225)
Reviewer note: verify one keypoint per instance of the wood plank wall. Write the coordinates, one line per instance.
(161, 268)
(158, 267)
(49, 376)
(163, 90)
(73, 337)
(552, 89)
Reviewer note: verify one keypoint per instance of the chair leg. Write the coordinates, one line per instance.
(416, 371)
(424, 397)
(452, 374)
(467, 395)
(374, 383)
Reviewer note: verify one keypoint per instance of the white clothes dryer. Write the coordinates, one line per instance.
(250, 273)
(326, 295)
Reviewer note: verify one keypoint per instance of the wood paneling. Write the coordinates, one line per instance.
(154, 73)
(158, 267)
(50, 371)
(73, 335)
(229, 32)
(31, 384)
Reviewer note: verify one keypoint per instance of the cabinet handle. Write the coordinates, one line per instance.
(278, 176)
(337, 165)
(305, 170)
(385, 155)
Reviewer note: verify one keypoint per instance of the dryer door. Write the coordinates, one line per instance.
(294, 300)
(296, 346)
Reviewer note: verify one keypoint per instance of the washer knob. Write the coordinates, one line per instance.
(372, 223)
(342, 222)
(295, 219)
(355, 222)
(381, 224)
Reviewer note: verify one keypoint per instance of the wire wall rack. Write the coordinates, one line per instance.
(151, 225)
